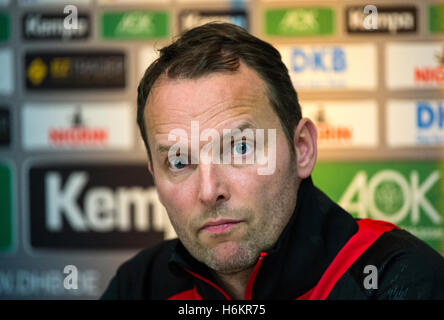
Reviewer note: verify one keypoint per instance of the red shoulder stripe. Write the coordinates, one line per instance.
(369, 231)
(186, 295)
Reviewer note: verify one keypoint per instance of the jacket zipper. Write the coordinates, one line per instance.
(210, 283)
(248, 290)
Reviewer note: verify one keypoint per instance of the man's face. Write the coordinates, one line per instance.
(224, 214)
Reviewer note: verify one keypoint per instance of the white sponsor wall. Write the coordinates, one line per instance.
(331, 67)
(412, 123)
(77, 126)
(414, 65)
(344, 124)
(74, 184)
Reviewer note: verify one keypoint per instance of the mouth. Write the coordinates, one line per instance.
(220, 226)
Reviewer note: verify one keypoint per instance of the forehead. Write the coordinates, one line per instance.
(212, 100)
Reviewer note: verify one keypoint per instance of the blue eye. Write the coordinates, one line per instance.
(178, 163)
(241, 148)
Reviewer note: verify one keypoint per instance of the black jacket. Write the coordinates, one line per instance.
(407, 267)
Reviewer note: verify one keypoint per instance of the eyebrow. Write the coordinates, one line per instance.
(241, 127)
(161, 148)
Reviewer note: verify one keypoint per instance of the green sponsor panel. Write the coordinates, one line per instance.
(408, 194)
(296, 22)
(5, 208)
(135, 25)
(4, 27)
(436, 18)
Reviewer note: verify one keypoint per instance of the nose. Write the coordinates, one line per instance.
(213, 188)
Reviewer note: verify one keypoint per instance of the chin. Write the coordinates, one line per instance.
(230, 257)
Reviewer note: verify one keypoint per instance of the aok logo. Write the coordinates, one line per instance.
(327, 59)
(135, 22)
(95, 207)
(391, 196)
(399, 19)
(300, 20)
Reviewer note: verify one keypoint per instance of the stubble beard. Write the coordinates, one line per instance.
(229, 257)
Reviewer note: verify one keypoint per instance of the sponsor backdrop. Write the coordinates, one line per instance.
(75, 193)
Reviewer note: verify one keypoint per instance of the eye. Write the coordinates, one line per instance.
(241, 148)
(178, 163)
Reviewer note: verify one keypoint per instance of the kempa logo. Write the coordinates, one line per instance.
(104, 209)
(39, 26)
(95, 207)
(382, 19)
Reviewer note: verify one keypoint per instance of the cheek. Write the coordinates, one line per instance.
(249, 189)
(176, 198)
(247, 184)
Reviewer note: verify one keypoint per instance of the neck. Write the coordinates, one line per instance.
(234, 283)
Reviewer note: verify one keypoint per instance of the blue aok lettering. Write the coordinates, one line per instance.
(426, 116)
(319, 60)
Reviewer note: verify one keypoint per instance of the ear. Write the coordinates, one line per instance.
(150, 166)
(305, 144)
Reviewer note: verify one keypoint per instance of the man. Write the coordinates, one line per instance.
(243, 233)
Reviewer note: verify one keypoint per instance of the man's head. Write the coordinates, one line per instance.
(220, 47)
(224, 78)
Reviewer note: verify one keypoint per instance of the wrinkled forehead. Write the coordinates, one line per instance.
(212, 100)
